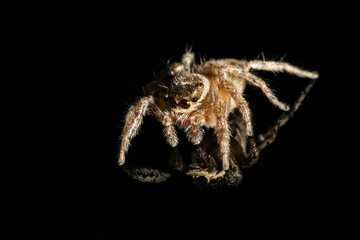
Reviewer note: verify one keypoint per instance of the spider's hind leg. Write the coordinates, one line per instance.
(268, 137)
(279, 67)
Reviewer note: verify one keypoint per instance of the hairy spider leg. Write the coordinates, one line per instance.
(240, 101)
(279, 67)
(133, 121)
(169, 131)
(223, 134)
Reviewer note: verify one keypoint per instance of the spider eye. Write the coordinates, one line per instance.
(201, 85)
(195, 99)
(184, 104)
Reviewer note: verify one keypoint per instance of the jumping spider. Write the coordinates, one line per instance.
(192, 96)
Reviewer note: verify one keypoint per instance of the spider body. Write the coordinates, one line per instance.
(193, 96)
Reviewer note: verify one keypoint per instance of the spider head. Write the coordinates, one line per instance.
(185, 93)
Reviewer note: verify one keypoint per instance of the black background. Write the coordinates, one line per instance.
(100, 55)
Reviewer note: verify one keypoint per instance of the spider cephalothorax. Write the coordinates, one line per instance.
(186, 93)
(194, 96)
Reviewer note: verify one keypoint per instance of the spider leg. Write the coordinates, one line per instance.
(145, 174)
(279, 67)
(253, 153)
(239, 72)
(240, 102)
(133, 121)
(269, 136)
(223, 134)
(169, 131)
(258, 82)
(194, 132)
(187, 60)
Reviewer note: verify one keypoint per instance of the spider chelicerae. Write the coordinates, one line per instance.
(193, 96)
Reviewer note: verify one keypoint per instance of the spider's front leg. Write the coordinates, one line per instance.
(194, 132)
(133, 121)
(169, 131)
(223, 135)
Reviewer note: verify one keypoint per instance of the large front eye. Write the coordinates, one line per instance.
(184, 104)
